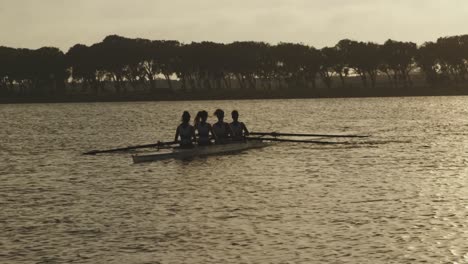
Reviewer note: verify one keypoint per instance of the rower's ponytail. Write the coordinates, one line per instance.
(197, 119)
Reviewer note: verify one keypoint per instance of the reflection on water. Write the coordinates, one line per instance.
(400, 196)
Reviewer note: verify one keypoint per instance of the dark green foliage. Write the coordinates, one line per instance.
(134, 63)
(32, 72)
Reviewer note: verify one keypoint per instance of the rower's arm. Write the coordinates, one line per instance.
(246, 131)
(176, 135)
(213, 134)
(194, 136)
(229, 129)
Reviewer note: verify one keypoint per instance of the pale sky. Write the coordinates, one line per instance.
(63, 23)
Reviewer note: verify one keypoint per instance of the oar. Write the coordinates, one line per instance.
(159, 144)
(277, 134)
(295, 140)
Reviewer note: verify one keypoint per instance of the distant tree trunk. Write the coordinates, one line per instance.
(310, 79)
(265, 83)
(389, 77)
(193, 82)
(240, 81)
(152, 82)
(395, 78)
(373, 77)
(119, 85)
(150, 75)
(463, 73)
(326, 78)
(183, 85)
(92, 84)
(342, 79)
(403, 78)
(9, 87)
(408, 79)
(169, 82)
(85, 86)
(219, 83)
(290, 81)
(59, 87)
(227, 82)
(363, 79)
(199, 82)
(252, 82)
(207, 82)
(314, 83)
(279, 81)
(116, 84)
(3, 88)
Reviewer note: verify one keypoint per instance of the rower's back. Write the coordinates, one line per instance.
(203, 128)
(221, 129)
(239, 130)
(185, 131)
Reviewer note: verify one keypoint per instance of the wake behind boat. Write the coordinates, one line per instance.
(197, 151)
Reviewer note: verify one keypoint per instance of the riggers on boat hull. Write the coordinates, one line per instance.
(200, 151)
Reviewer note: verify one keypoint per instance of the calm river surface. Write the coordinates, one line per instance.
(400, 196)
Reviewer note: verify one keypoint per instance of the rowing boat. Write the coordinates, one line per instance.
(178, 153)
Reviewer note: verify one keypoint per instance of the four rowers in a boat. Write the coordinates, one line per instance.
(221, 131)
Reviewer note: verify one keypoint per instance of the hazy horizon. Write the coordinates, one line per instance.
(33, 24)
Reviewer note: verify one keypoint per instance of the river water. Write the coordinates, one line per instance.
(399, 196)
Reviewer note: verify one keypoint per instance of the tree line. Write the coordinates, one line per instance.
(248, 65)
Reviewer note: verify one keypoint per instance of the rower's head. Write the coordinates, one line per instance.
(186, 117)
(203, 116)
(235, 115)
(219, 114)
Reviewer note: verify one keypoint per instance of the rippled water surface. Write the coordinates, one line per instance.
(400, 196)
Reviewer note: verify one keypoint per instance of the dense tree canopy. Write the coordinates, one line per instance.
(38, 71)
(130, 63)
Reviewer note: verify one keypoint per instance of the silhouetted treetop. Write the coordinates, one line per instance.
(128, 62)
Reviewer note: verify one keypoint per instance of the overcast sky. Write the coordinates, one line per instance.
(63, 23)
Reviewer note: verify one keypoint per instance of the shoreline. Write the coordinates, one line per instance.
(236, 95)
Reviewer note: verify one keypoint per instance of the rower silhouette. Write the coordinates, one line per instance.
(186, 132)
(221, 129)
(204, 129)
(239, 130)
